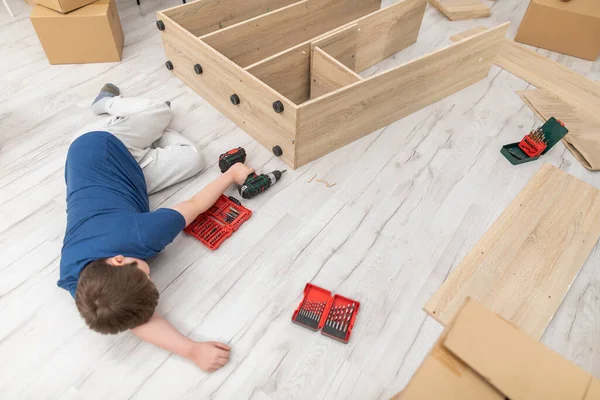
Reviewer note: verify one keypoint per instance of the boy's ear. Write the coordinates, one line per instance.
(117, 260)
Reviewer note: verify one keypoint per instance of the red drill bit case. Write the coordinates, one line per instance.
(531, 147)
(334, 315)
(213, 227)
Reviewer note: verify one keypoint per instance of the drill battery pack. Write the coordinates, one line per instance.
(333, 315)
(217, 224)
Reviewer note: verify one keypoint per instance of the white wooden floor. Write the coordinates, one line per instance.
(410, 201)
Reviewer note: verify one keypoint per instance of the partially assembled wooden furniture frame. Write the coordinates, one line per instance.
(286, 71)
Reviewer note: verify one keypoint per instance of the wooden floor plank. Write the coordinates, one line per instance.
(523, 266)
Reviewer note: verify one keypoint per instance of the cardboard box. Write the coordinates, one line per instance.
(88, 35)
(481, 356)
(63, 6)
(571, 28)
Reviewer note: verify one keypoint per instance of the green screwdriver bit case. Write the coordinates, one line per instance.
(554, 131)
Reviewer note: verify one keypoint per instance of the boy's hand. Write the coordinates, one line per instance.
(210, 356)
(204, 199)
(239, 173)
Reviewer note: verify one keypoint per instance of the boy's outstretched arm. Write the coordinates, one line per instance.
(209, 356)
(208, 196)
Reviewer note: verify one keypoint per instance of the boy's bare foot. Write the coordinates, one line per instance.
(209, 356)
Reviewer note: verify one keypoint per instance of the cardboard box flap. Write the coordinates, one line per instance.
(593, 392)
(99, 8)
(583, 7)
(441, 372)
(516, 364)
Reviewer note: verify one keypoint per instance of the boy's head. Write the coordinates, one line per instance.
(115, 294)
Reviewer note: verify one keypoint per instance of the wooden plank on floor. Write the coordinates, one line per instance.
(583, 139)
(327, 74)
(288, 73)
(344, 115)
(516, 364)
(524, 264)
(253, 40)
(376, 36)
(456, 10)
(546, 74)
(206, 16)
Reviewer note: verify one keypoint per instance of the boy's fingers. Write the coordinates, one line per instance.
(223, 358)
(223, 353)
(222, 346)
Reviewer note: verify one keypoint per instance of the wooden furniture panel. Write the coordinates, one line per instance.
(468, 33)
(344, 115)
(221, 78)
(524, 264)
(377, 36)
(288, 73)
(327, 74)
(265, 60)
(546, 74)
(205, 16)
(456, 10)
(341, 45)
(258, 38)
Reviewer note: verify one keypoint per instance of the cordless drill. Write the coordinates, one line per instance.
(254, 184)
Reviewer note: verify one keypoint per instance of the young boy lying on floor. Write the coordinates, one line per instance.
(111, 230)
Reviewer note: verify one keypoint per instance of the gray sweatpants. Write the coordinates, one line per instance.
(166, 157)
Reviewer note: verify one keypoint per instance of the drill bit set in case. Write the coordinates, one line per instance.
(334, 315)
(535, 144)
(214, 226)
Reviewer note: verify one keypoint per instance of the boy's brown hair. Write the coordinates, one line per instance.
(112, 299)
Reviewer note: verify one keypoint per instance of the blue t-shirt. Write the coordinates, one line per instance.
(108, 213)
